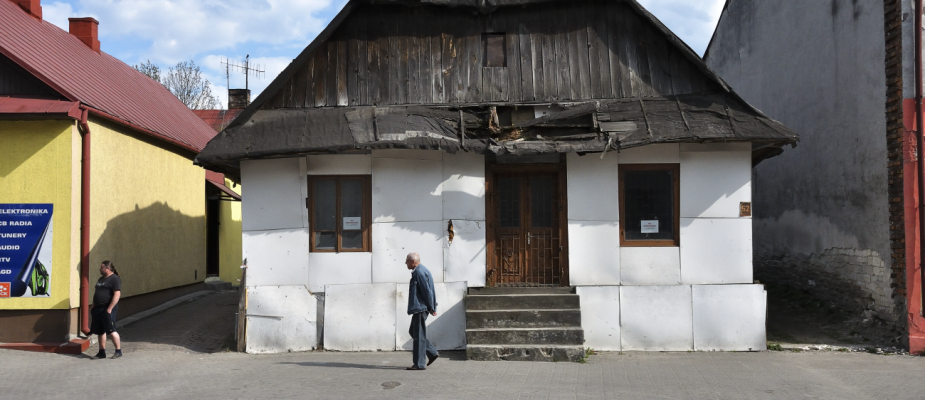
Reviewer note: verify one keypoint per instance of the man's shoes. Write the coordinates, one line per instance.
(413, 368)
(117, 355)
(101, 354)
(430, 360)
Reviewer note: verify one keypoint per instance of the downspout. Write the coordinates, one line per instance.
(84, 222)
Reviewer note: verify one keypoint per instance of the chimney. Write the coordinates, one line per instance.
(86, 30)
(238, 98)
(33, 7)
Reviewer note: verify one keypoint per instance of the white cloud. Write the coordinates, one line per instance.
(179, 30)
(692, 20)
(57, 13)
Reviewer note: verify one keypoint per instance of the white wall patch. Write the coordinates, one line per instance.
(650, 265)
(277, 257)
(729, 317)
(656, 318)
(359, 317)
(600, 316)
(274, 194)
(407, 190)
(281, 319)
(393, 241)
(715, 251)
(594, 253)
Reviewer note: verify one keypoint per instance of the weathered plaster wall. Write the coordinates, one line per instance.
(818, 68)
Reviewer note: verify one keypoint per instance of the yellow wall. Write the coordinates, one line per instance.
(148, 211)
(229, 236)
(38, 165)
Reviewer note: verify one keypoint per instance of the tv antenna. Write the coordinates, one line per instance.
(246, 68)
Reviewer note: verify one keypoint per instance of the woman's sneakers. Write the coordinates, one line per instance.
(117, 355)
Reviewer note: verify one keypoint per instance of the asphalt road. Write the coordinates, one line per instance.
(178, 354)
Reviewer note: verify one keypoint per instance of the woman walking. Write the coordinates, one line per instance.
(105, 306)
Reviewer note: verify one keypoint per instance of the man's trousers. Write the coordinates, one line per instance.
(422, 346)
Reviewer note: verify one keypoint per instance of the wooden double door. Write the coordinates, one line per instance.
(527, 237)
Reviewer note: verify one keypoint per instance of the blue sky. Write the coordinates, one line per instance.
(273, 32)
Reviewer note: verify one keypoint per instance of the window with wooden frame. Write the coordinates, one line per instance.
(649, 205)
(339, 209)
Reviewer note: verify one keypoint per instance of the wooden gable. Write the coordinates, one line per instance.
(387, 54)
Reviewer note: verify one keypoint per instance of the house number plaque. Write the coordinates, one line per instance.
(745, 209)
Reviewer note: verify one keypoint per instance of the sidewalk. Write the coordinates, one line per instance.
(167, 356)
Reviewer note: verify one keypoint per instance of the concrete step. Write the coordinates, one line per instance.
(520, 290)
(522, 302)
(523, 318)
(523, 353)
(540, 336)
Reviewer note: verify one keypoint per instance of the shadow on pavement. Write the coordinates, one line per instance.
(202, 325)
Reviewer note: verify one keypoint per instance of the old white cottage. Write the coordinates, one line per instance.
(571, 173)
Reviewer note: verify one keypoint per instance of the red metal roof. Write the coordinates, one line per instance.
(34, 105)
(98, 80)
(218, 119)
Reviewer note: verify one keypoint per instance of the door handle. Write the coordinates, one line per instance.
(528, 237)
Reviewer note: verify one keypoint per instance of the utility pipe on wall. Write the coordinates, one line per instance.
(85, 222)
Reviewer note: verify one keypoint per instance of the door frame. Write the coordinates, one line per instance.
(491, 219)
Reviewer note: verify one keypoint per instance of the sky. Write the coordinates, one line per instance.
(272, 32)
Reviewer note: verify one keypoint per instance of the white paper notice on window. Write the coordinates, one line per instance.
(352, 223)
(649, 226)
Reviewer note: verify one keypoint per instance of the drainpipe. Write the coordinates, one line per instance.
(85, 222)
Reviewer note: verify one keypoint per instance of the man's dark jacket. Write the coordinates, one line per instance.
(421, 295)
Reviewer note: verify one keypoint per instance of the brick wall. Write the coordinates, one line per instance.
(893, 63)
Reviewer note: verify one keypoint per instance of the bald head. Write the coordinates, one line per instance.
(413, 260)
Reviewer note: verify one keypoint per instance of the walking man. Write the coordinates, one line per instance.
(421, 301)
(105, 306)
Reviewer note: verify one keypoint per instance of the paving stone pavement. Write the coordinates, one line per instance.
(168, 356)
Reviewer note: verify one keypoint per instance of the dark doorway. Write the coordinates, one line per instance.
(213, 221)
(527, 237)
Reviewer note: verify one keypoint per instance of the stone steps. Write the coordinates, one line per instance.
(522, 318)
(524, 324)
(522, 301)
(484, 352)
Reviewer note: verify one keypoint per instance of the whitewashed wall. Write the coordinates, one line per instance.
(374, 317)
(674, 318)
(280, 319)
(716, 244)
(417, 193)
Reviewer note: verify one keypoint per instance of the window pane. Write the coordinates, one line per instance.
(649, 208)
(541, 201)
(351, 240)
(509, 201)
(324, 194)
(351, 206)
(325, 240)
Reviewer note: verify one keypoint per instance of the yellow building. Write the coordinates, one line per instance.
(107, 152)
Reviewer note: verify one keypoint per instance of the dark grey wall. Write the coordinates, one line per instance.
(817, 67)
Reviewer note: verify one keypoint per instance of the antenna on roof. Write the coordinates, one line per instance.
(245, 67)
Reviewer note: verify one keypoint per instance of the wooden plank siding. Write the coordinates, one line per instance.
(386, 55)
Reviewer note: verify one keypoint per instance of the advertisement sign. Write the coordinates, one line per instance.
(25, 250)
(649, 226)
